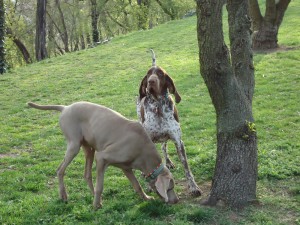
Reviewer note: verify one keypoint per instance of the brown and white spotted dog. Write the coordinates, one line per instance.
(158, 114)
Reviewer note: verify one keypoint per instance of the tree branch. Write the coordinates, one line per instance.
(116, 21)
(281, 8)
(20, 45)
(270, 14)
(240, 47)
(64, 35)
(213, 53)
(255, 15)
(170, 12)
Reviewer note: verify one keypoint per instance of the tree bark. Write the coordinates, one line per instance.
(40, 38)
(82, 42)
(116, 21)
(64, 34)
(255, 14)
(229, 77)
(95, 18)
(20, 45)
(88, 40)
(169, 10)
(143, 14)
(265, 29)
(2, 36)
(53, 46)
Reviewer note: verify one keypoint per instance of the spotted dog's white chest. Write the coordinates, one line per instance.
(159, 122)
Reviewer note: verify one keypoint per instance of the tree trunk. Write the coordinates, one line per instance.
(95, 18)
(23, 50)
(266, 28)
(117, 22)
(103, 19)
(76, 44)
(40, 36)
(64, 34)
(2, 36)
(20, 45)
(88, 40)
(143, 14)
(265, 37)
(168, 9)
(229, 77)
(82, 42)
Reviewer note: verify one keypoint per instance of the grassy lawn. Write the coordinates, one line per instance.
(32, 145)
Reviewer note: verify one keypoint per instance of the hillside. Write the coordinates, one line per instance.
(32, 146)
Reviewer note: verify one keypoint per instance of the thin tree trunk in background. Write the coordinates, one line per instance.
(40, 36)
(95, 18)
(2, 36)
(169, 10)
(23, 50)
(88, 40)
(143, 14)
(229, 77)
(116, 21)
(82, 42)
(52, 33)
(103, 19)
(64, 33)
(76, 44)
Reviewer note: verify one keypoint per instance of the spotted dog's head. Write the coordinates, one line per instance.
(157, 82)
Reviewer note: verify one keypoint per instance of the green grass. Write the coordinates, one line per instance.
(32, 145)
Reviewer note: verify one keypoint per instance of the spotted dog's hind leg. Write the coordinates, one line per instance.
(192, 186)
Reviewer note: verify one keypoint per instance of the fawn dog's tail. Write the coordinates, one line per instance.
(46, 107)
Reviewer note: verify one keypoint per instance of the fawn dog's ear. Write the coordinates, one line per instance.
(172, 88)
(143, 88)
(162, 184)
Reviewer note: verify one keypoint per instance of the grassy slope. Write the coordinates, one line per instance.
(31, 144)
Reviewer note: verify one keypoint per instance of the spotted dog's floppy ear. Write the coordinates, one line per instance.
(143, 88)
(172, 88)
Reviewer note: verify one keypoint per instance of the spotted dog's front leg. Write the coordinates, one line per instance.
(169, 162)
(193, 187)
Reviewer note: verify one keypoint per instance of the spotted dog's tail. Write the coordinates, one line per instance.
(153, 57)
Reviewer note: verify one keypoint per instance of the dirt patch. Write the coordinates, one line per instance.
(8, 155)
(184, 192)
